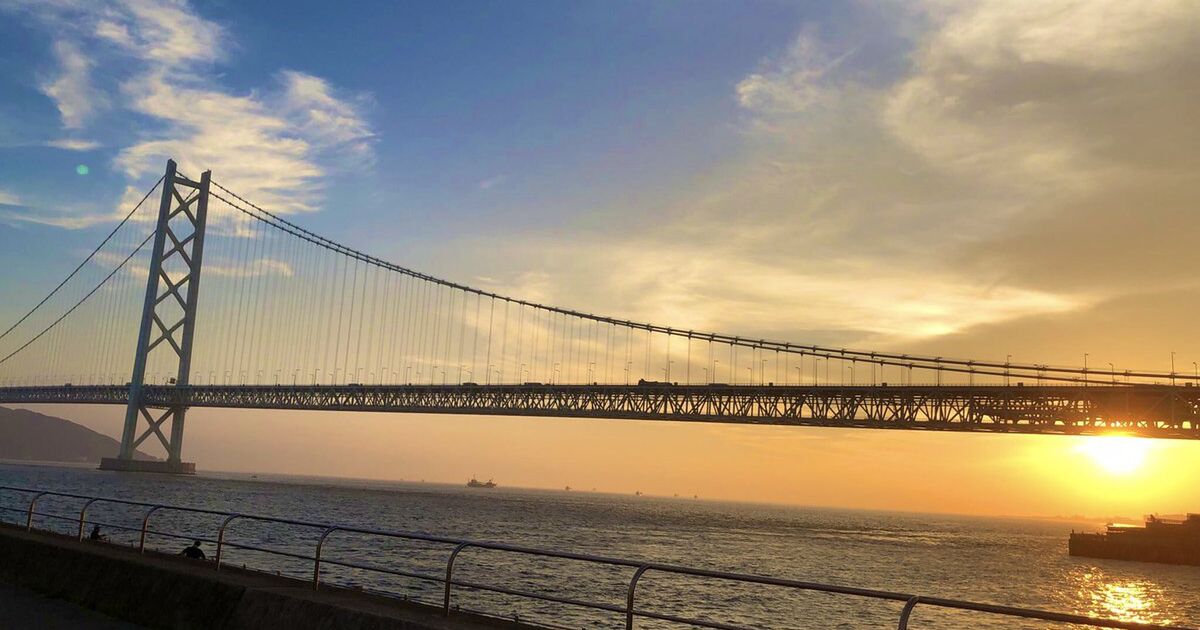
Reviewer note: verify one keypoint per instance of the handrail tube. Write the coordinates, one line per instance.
(32, 503)
(450, 576)
(691, 621)
(277, 552)
(910, 600)
(400, 572)
(145, 524)
(542, 596)
(316, 581)
(83, 512)
(906, 612)
(221, 537)
(637, 575)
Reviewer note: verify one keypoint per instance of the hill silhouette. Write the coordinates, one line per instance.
(31, 436)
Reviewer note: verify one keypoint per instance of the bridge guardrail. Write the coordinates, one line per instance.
(629, 610)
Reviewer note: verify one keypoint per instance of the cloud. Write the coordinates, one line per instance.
(1027, 163)
(272, 148)
(794, 82)
(73, 144)
(72, 91)
(330, 123)
(65, 221)
(8, 198)
(251, 269)
(716, 291)
(162, 31)
(492, 182)
(276, 145)
(1076, 116)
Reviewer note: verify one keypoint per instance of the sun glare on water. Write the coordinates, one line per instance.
(1116, 455)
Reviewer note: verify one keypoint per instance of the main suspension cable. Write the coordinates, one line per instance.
(81, 301)
(939, 364)
(85, 260)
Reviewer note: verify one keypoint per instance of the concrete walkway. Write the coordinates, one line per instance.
(167, 591)
(25, 609)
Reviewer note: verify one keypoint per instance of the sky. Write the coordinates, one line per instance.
(977, 179)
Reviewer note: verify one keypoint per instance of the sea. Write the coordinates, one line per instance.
(1009, 561)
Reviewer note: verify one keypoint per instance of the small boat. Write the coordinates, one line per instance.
(475, 483)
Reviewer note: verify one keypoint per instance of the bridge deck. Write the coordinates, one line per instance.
(1158, 411)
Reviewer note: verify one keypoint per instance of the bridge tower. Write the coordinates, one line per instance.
(168, 321)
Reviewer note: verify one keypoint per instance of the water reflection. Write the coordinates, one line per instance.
(1104, 595)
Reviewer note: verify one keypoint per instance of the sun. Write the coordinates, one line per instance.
(1116, 455)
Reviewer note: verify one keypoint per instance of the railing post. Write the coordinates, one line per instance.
(82, 514)
(32, 503)
(317, 557)
(637, 575)
(221, 537)
(450, 577)
(145, 524)
(907, 611)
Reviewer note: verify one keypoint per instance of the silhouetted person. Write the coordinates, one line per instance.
(96, 535)
(194, 551)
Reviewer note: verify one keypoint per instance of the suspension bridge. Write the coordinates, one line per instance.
(289, 319)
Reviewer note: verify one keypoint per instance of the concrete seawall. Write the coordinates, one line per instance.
(161, 591)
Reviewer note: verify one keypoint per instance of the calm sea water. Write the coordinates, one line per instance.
(1004, 561)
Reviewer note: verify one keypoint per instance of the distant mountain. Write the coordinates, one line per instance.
(25, 435)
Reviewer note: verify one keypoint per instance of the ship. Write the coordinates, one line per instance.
(475, 483)
(1162, 539)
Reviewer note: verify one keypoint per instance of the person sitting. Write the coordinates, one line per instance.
(194, 551)
(96, 535)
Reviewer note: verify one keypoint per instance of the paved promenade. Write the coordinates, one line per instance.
(25, 609)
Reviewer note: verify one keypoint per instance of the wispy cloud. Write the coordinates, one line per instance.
(72, 90)
(995, 178)
(492, 182)
(330, 123)
(276, 145)
(273, 147)
(162, 31)
(794, 82)
(73, 144)
(65, 221)
(8, 198)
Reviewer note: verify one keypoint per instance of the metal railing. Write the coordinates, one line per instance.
(448, 581)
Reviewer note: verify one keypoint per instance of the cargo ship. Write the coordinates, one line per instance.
(1162, 539)
(475, 483)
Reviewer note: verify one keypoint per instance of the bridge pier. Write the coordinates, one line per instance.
(147, 466)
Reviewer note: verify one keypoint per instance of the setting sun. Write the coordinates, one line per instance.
(1117, 455)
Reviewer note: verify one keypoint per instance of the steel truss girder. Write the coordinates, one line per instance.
(1141, 410)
